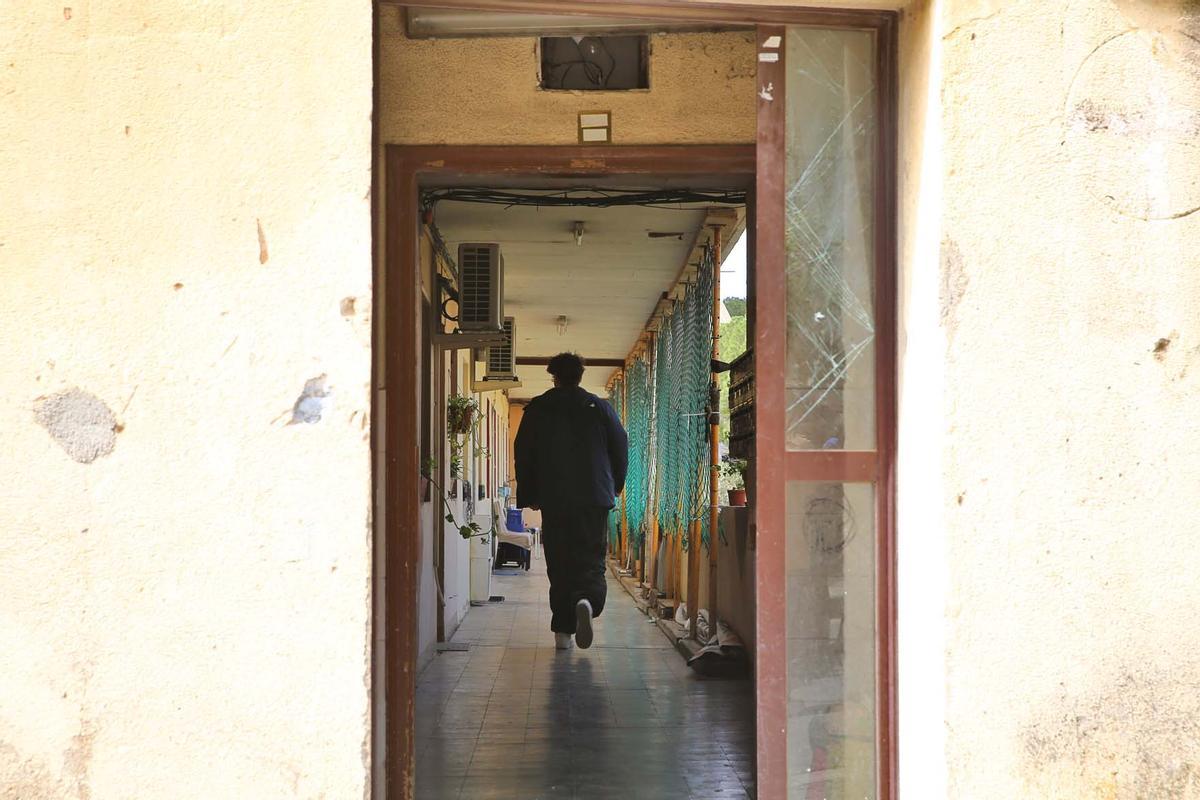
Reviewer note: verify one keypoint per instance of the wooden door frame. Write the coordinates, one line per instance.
(407, 167)
(878, 466)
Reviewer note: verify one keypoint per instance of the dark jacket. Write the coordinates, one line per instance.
(570, 451)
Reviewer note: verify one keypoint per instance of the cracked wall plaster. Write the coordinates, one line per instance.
(312, 402)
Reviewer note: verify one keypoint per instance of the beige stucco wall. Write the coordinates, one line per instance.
(187, 615)
(1069, 289)
(485, 91)
(185, 208)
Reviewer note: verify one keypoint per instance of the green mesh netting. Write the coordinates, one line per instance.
(616, 396)
(682, 364)
(638, 400)
(664, 411)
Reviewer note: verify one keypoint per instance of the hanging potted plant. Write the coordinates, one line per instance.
(733, 477)
(460, 414)
(462, 420)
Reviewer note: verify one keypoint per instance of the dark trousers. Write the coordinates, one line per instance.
(575, 541)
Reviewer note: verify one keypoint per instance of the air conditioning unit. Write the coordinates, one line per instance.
(481, 288)
(502, 359)
(500, 364)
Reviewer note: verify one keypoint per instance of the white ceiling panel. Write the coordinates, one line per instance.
(606, 287)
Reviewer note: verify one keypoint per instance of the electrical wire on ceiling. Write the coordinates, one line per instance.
(447, 291)
(439, 245)
(582, 197)
(586, 197)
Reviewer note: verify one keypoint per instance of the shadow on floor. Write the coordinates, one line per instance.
(513, 718)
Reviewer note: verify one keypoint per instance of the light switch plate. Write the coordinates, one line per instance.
(595, 127)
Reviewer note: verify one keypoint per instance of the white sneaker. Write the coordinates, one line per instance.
(583, 624)
(562, 641)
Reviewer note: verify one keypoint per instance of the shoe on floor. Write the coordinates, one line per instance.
(583, 624)
(562, 641)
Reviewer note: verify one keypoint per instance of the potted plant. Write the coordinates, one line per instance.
(460, 414)
(733, 478)
(462, 420)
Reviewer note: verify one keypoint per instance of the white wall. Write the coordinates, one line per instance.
(458, 571)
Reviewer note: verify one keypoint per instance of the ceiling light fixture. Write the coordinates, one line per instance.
(560, 324)
(578, 234)
(427, 22)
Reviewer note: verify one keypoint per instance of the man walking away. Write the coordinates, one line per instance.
(571, 454)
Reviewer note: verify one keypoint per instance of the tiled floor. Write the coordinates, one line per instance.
(513, 718)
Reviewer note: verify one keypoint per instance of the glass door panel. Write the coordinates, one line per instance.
(831, 635)
(830, 129)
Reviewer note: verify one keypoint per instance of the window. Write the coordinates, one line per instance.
(595, 63)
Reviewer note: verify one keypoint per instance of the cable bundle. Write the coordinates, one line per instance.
(589, 197)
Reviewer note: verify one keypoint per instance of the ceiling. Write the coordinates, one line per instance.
(607, 286)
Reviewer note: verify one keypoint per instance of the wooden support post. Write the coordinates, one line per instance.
(671, 562)
(714, 440)
(623, 531)
(639, 559)
(693, 578)
(676, 570)
(664, 566)
(652, 541)
(441, 459)
(652, 559)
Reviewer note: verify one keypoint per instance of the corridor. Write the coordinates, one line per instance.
(512, 718)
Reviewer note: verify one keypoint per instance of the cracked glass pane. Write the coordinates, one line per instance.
(831, 135)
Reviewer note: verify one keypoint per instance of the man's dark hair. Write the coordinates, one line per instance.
(567, 368)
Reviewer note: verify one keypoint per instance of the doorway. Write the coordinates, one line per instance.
(835, 493)
(616, 269)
